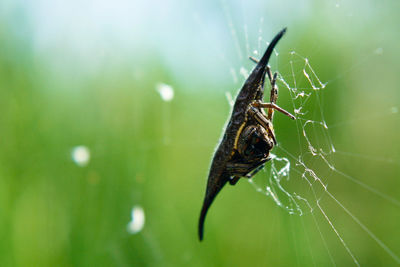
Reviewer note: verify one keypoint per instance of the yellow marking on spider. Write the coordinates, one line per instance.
(237, 136)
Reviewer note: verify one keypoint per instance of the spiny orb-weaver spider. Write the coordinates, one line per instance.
(249, 135)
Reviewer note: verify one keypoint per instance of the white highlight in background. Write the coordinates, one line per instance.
(166, 91)
(137, 220)
(228, 95)
(80, 155)
(244, 72)
(379, 51)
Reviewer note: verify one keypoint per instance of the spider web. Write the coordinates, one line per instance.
(314, 139)
(315, 145)
(297, 181)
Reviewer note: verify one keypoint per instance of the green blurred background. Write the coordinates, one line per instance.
(85, 73)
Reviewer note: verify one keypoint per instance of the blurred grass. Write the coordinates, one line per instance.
(156, 154)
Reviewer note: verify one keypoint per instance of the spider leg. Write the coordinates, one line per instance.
(246, 170)
(263, 121)
(234, 180)
(274, 92)
(239, 169)
(268, 68)
(272, 106)
(254, 59)
(256, 170)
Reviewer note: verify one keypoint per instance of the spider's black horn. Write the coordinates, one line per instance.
(265, 58)
(211, 193)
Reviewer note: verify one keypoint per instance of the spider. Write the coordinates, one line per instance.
(249, 135)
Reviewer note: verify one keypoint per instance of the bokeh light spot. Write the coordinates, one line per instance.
(166, 91)
(137, 220)
(81, 155)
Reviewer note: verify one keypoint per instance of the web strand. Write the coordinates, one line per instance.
(313, 162)
(307, 128)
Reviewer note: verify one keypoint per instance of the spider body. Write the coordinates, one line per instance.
(249, 135)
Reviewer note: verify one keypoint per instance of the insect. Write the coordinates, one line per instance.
(249, 135)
